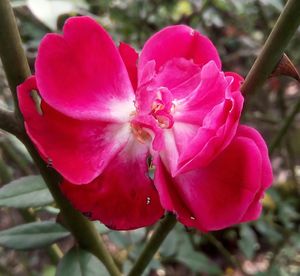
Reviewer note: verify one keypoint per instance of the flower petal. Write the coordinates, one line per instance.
(213, 87)
(205, 122)
(179, 75)
(237, 81)
(130, 58)
(218, 195)
(255, 208)
(254, 135)
(77, 149)
(123, 197)
(82, 74)
(178, 41)
(214, 136)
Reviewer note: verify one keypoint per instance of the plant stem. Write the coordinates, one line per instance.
(17, 70)
(12, 54)
(8, 121)
(82, 229)
(274, 47)
(284, 128)
(159, 235)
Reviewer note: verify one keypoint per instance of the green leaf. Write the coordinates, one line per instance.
(170, 244)
(29, 191)
(195, 260)
(101, 228)
(32, 235)
(78, 262)
(137, 235)
(248, 242)
(119, 238)
(49, 270)
(268, 231)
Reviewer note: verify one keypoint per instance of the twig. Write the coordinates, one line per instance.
(274, 47)
(12, 54)
(9, 122)
(159, 235)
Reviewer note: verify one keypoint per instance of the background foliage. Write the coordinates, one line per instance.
(269, 246)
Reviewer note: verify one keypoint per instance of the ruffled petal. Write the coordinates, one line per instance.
(214, 136)
(130, 58)
(237, 81)
(205, 121)
(255, 208)
(123, 197)
(82, 74)
(213, 87)
(179, 75)
(218, 195)
(79, 150)
(175, 42)
(254, 135)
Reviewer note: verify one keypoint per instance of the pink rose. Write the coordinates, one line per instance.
(108, 114)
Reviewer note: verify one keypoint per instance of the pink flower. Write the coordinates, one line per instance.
(108, 116)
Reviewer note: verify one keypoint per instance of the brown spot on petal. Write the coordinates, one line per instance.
(37, 100)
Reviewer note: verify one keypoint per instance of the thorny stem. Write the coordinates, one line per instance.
(17, 70)
(159, 235)
(11, 50)
(274, 47)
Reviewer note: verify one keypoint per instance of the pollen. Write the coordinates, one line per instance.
(140, 133)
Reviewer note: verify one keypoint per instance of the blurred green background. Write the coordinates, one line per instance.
(269, 246)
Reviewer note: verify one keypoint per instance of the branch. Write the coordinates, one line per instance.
(274, 47)
(159, 235)
(9, 122)
(12, 54)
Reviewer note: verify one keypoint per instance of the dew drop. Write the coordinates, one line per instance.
(49, 163)
(192, 218)
(148, 201)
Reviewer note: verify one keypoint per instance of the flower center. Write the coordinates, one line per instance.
(154, 109)
(162, 107)
(140, 133)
